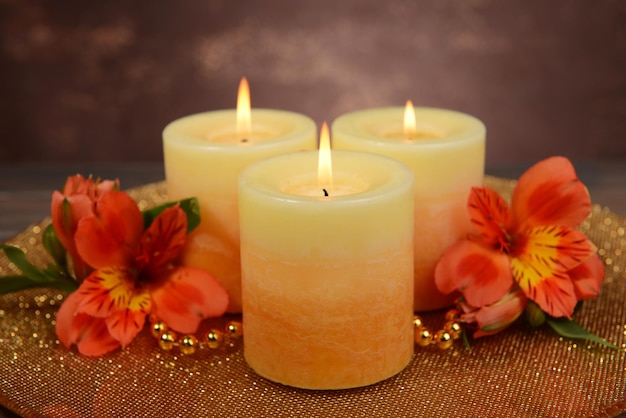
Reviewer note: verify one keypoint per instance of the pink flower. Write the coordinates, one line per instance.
(135, 275)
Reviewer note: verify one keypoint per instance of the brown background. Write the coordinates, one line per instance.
(98, 81)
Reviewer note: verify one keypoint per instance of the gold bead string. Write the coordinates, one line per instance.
(214, 338)
(189, 343)
(443, 338)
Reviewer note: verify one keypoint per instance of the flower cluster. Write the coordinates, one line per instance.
(125, 265)
(121, 264)
(528, 256)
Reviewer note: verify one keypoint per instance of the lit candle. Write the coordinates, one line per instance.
(446, 152)
(327, 263)
(204, 154)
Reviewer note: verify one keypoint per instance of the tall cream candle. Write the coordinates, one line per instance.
(446, 152)
(204, 155)
(327, 280)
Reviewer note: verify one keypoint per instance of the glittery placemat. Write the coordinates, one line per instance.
(520, 372)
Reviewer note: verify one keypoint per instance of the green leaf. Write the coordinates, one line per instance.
(190, 206)
(17, 257)
(570, 329)
(66, 285)
(53, 276)
(9, 284)
(56, 272)
(66, 215)
(466, 342)
(53, 245)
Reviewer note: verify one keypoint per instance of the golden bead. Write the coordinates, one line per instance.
(443, 339)
(234, 329)
(158, 328)
(423, 336)
(453, 315)
(167, 340)
(214, 338)
(417, 321)
(454, 329)
(188, 344)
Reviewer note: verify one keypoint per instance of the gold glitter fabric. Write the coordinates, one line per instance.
(520, 372)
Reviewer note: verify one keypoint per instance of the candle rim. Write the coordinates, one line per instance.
(476, 129)
(175, 131)
(403, 176)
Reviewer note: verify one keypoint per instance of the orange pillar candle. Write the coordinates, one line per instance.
(204, 154)
(327, 280)
(446, 152)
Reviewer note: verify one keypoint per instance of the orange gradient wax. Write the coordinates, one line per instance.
(327, 280)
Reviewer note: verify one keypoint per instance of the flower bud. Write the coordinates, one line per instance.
(534, 315)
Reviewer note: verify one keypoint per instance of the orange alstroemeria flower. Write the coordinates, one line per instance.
(77, 200)
(533, 244)
(134, 276)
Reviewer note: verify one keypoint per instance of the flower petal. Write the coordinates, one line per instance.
(188, 296)
(540, 263)
(64, 319)
(88, 333)
(108, 238)
(550, 193)
(588, 277)
(109, 290)
(125, 324)
(481, 274)
(65, 212)
(161, 243)
(77, 184)
(489, 214)
(107, 186)
(93, 336)
(496, 317)
(67, 208)
(555, 295)
(546, 249)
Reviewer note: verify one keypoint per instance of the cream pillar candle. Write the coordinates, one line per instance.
(203, 156)
(446, 152)
(327, 280)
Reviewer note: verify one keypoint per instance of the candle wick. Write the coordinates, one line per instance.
(325, 192)
(244, 139)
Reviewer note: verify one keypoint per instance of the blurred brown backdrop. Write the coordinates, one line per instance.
(98, 81)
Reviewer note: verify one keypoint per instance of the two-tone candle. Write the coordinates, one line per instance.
(446, 152)
(204, 154)
(327, 264)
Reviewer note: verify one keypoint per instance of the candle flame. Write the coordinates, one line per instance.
(244, 124)
(409, 120)
(324, 165)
